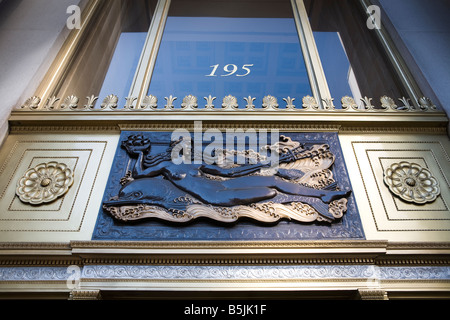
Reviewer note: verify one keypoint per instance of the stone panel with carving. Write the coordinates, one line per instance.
(49, 185)
(151, 197)
(401, 185)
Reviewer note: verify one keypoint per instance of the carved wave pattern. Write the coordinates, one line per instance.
(266, 212)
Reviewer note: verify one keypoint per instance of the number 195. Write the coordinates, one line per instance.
(231, 69)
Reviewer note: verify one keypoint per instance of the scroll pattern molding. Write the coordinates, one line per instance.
(227, 273)
(190, 102)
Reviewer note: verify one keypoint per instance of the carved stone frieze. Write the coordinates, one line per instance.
(306, 189)
(302, 188)
(402, 181)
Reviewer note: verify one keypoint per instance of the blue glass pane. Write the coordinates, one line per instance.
(123, 65)
(206, 56)
(336, 65)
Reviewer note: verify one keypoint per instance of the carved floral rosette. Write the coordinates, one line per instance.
(412, 182)
(45, 183)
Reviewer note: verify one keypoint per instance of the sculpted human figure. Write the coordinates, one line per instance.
(239, 187)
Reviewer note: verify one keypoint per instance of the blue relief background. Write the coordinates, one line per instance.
(107, 228)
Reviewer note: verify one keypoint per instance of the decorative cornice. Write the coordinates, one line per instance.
(30, 246)
(380, 253)
(229, 103)
(304, 127)
(307, 116)
(235, 245)
(378, 130)
(288, 127)
(444, 247)
(85, 295)
(59, 129)
(372, 294)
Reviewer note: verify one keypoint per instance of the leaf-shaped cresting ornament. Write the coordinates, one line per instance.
(270, 102)
(250, 103)
(310, 103)
(71, 102)
(289, 103)
(170, 100)
(90, 102)
(209, 102)
(31, 103)
(110, 102)
(348, 103)
(189, 102)
(45, 183)
(150, 102)
(230, 102)
(426, 104)
(388, 103)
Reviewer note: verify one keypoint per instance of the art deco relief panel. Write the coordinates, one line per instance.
(401, 184)
(152, 195)
(103, 186)
(50, 185)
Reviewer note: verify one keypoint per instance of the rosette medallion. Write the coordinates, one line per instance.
(45, 183)
(412, 182)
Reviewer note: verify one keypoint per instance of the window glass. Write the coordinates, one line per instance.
(106, 61)
(238, 48)
(335, 63)
(123, 65)
(353, 60)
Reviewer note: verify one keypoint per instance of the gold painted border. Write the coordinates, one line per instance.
(381, 253)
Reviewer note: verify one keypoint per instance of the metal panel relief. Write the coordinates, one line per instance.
(401, 184)
(166, 189)
(48, 185)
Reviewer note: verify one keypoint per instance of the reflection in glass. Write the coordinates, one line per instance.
(338, 71)
(132, 31)
(123, 65)
(110, 51)
(238, 56)
(352, 59)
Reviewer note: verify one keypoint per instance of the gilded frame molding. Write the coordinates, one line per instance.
(370, 269)
(321, 252)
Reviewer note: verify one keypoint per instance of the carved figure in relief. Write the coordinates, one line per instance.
(156, 180)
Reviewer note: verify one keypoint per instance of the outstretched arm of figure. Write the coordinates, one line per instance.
(233, 172)
(152, 171)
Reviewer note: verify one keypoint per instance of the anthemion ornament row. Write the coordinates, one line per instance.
(190, 102)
